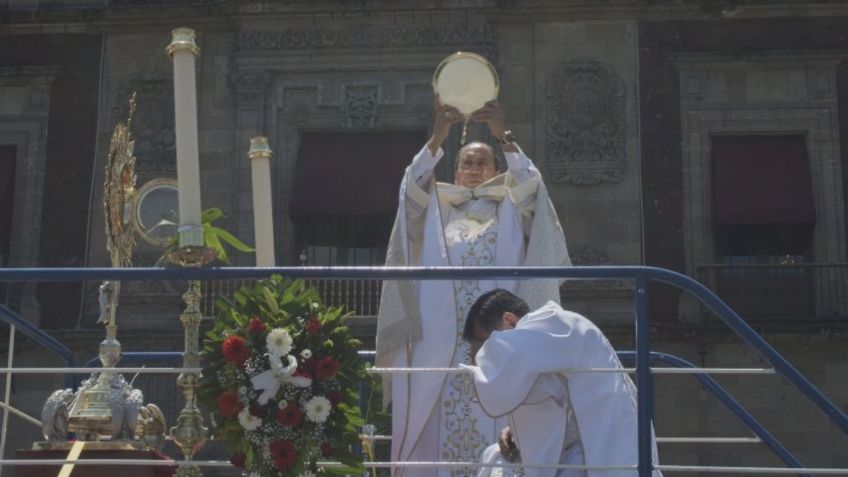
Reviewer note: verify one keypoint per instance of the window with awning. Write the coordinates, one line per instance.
(346, 193)
(762, 198)
(761, 180)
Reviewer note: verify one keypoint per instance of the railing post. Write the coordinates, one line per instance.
(645, 396)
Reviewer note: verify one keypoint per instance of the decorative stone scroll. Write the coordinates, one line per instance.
(585, 124)
(369, 36)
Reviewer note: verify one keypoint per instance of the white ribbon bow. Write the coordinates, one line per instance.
(269, 381)
(456, 195)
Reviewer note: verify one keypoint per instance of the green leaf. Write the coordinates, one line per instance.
(271, 300)
(211, 214)
(232, 240)
(212, 241)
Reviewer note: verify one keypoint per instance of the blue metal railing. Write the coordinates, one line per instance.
(39, 336)
(731, 404)
(641, 275)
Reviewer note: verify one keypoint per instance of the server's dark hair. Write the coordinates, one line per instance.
(489, 308)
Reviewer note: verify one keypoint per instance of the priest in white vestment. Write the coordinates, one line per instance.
(488, 217)
(556, 417)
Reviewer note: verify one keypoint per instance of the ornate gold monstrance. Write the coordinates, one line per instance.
(106, 407)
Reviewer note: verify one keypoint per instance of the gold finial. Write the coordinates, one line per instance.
(259, 148)
(182, 39)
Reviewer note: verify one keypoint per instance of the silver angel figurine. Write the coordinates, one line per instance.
(106, 299)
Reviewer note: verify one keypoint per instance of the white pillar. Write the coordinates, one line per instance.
(263, 219)
(184, 51)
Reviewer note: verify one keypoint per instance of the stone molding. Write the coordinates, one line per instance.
(368, 36)
(585, 118)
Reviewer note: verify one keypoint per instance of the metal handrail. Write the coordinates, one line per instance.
(640, 274)
(731, 404)
(127, 357)
(774, 265)
(41, 337)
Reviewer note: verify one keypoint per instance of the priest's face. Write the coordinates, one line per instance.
(476, 165)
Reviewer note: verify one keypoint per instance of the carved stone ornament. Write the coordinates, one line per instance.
(250, 85)
(153, 127)
(585, 257)
(585, 124)
(370, 36)
(360, 106)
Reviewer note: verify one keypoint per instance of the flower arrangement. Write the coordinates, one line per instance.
(281, 375)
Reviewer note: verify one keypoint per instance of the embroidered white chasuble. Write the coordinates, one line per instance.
(435, 417)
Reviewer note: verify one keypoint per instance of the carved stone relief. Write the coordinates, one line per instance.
(585, 124)
(585, 257)
(153, 126)
(360, 106)
(250, 85)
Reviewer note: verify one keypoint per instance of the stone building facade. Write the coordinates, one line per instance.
(622, 104)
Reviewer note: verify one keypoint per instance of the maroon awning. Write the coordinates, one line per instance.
(351, 173)
(761, 180)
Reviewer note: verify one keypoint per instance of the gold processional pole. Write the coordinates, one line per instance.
(189, 433)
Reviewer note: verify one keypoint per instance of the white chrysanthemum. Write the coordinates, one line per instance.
(317, 409)
(315, 305)
(282, 404)
(248, 421)
(279, 342)
(306, 353)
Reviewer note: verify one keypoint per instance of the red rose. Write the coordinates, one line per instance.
(256, 410)
(238, 459)
(235, 350)
(290, 415)
(313, 326)
(327, 449)
(229, 404)
(256, 326)
(327, 367)
(283, 454)
(335, 397)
